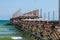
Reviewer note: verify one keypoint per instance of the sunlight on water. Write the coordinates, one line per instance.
(17, 38)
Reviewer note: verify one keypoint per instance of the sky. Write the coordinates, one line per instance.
(9, 7)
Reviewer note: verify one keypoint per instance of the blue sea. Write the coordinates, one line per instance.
(11, 32)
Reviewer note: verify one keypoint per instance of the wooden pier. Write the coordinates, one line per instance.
(41, 30)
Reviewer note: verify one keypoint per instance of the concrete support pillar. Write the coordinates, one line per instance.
(41, 13)
(53, 15)
(59, 12)
(48, 16)
(44, 16)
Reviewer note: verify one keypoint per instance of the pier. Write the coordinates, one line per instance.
(40, 30)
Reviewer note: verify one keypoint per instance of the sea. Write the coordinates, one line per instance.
(11, 32)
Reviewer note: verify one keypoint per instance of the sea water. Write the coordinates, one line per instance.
(58, 29)
(9, 31)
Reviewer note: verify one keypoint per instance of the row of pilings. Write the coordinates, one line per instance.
(38, 29)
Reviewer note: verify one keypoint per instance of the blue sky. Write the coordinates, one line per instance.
(8, 7)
